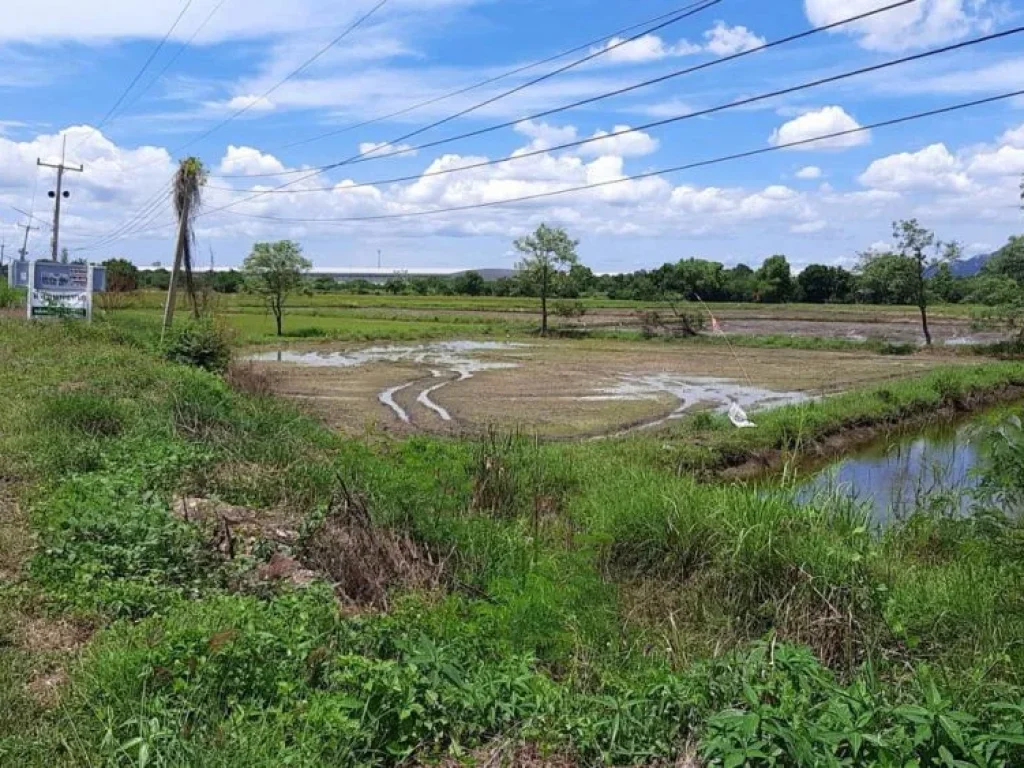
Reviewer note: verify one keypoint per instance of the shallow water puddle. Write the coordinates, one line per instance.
(692, 390)
(387, 397)
(454, 355)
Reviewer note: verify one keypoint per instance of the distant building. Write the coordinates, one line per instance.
(378, 275)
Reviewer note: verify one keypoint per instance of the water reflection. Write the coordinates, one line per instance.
(937, 467)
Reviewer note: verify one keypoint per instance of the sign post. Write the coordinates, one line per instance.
(59, 290)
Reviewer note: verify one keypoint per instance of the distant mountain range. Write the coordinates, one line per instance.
(970, 267)
(966, 267)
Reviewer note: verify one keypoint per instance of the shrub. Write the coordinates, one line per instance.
(250, 379)
(570, 310)
(308, 332)
(201, 343)
(9, 297)
(89, 413)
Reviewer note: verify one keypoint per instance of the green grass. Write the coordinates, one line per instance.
(598, 602)
(150, 299)
(358, 326)
(708, 443)
(347, 317)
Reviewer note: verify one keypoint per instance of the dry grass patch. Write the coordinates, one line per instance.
(367, 562)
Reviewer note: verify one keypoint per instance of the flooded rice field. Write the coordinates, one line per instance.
(558, 388)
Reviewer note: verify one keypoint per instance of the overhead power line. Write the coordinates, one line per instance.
(662, 172)
(663, 20)
(367, 157)
(680, 118)
(474, 86)
(238, 113)
(317, 171)
(138, 75)
(567, 145)
(142, 217)
(684, 13)
(177, 55)
(657, 173)
(308, 62)
(143, 210)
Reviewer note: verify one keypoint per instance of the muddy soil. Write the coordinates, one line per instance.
(559, 388)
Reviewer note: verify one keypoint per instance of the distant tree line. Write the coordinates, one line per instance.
(889, 277)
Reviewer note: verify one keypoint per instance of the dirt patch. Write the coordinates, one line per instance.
(45, 688)
(16, 541)
(250, 378)
(233, 530)
(364, 561)
(510, 754)
(47, 634)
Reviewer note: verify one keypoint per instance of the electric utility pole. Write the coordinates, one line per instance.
(59, 195)
(24, 246)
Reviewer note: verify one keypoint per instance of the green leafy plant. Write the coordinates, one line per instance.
(202, 343)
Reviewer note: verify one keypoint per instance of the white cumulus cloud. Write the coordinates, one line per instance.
(723, 40)
(918, 25)
(820, 122)
(1014, 137)
(248, 161)
(933, 168)
(384, 148)
(809, 173)
(720, 40)
(646, 48)
(635, 144)
(545, 135)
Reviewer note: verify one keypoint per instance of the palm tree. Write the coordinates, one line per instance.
(187, 193)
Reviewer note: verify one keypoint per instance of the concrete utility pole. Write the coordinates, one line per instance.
(23, 253)
(179, 253)
(59, 195)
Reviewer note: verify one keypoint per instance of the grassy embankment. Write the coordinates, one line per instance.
(584, 600)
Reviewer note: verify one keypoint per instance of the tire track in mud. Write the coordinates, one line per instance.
(387, 397)
(424, 397)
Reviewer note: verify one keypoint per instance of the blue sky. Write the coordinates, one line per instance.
(64, 63)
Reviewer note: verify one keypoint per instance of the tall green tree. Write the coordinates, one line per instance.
(274, 271)
(885, 278)
(122, 275)
(775, 281)
(547, 255)
(740, 283)
(1009, 260)
(821, 284)
(470, 283)
(944, 284)
(913, 242)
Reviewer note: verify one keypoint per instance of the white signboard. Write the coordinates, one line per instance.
(18, 275)
(59, 290)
